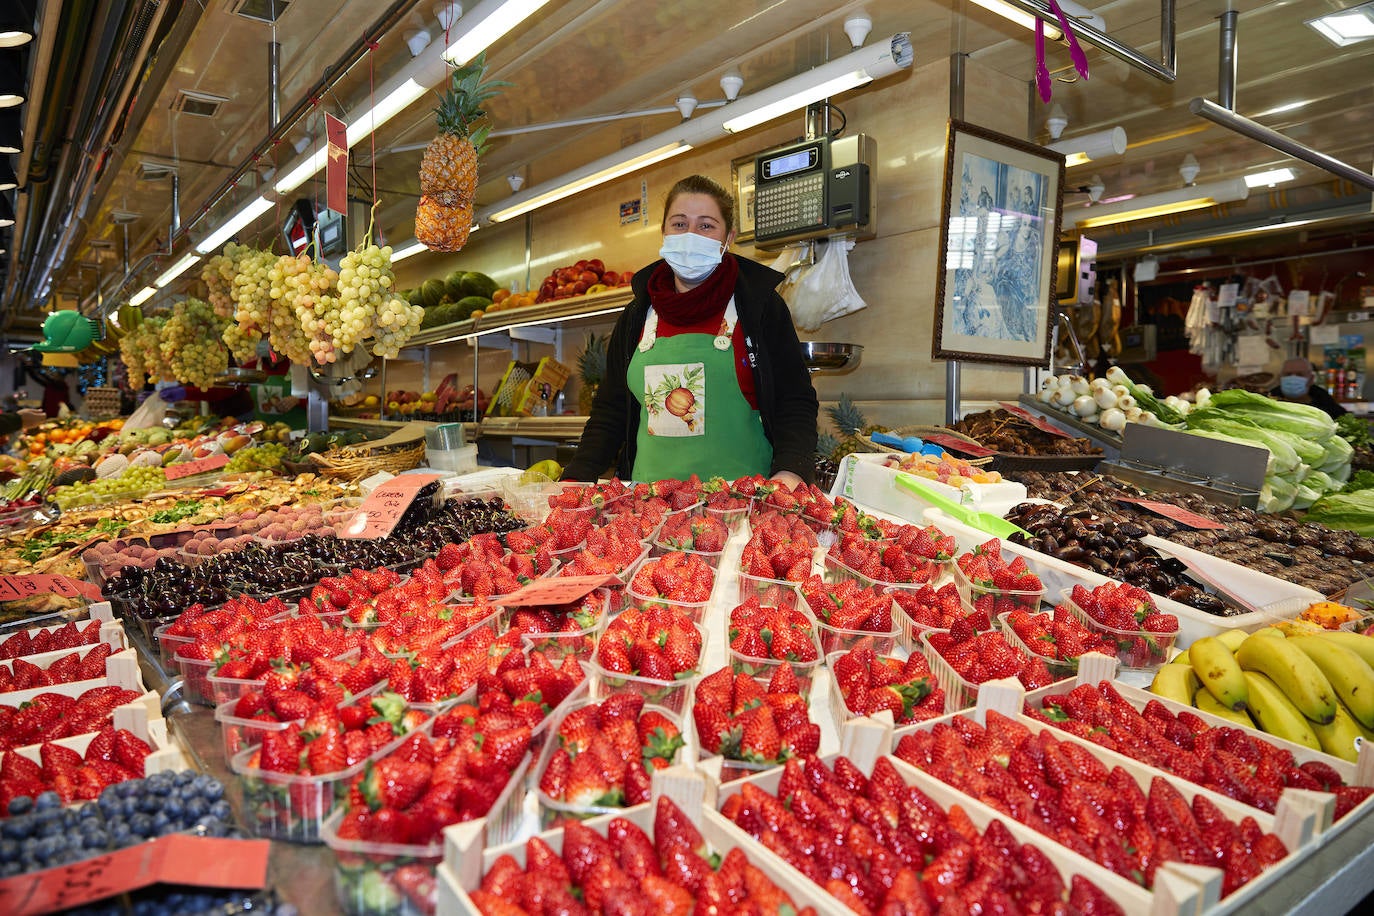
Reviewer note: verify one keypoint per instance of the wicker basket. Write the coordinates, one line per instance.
(358, 461)
(924, 431)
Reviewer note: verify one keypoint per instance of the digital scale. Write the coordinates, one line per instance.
(813, 189)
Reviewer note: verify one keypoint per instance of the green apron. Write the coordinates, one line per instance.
(678, 436)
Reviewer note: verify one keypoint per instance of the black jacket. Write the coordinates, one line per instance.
(787, 400)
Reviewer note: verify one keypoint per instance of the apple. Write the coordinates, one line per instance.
(580, 287)
(610, 278)
(589, 277)
(567, 275)
(596, 265)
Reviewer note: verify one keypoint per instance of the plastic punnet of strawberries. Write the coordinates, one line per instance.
(885, 562)
(938, 861)
(659, 644)
(695, 531)
(996, 586)
(679, 494)
(930, 608)
(762, 635)
(846, 610)
(53, 715)
(740, 719)
(565, 629)
(529, 686)
(112, 756)
(628, 872)
(979, 654)
(1127, 615)
(1060, 636)
(871, 683)
(683, 578)
(74, 666)
(67, 636)
(601, 754)
(610, 551)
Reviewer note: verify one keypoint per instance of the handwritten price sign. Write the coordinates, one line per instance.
(959, 445)
(382, 510)
(13, 588)
(1177, 514)
(199, 466)
(1038, 422)
(555, 591)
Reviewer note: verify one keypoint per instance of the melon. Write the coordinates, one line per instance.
(478, 284)
(454, 283)
(431, 291)
(469, 304)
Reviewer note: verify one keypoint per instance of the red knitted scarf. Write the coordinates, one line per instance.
(699, 303)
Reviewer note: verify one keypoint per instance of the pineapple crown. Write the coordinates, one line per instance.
(461, 106)
(591, 362)
(848, 419)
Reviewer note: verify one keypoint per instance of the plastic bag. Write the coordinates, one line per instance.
(792, 263)
(826, 291)
(148, 414)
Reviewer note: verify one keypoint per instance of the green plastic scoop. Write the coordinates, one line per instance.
(983, 521)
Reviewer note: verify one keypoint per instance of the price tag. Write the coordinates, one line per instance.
(555, 591)
(199, 466)
(180, 858)
(959, 445)
(382, 510)
(22, 586)
(1039, 423)
(1177, 514)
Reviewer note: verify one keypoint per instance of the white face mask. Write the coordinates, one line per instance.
(692, 257)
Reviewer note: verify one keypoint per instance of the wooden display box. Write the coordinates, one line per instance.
(522, 385)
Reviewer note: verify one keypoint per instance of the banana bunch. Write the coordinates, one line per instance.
(1314, 689)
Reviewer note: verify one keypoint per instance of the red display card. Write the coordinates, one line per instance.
(1177, 514)
(1039, 423)
(555, 591)
(382, 510)
(959, 445)
(22, 586)
(199, 466)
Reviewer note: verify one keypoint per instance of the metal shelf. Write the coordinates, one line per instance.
(563, 311)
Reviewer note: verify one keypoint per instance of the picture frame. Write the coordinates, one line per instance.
(742, 183)
(1000, 220)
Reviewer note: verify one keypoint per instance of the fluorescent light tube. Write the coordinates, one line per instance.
(1268, 179)
(1346, 27)
(303, 172)
(142, 295)
(486, 24)
(396, 102)
(406, 250)
(799, 99)
(1018, 16)
(224, 233)
(177, 269)
(1177, 200)
(1088, 147)
(592, 179)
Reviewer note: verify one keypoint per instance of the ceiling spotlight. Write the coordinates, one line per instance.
(417, 40)
(857, 28)
(516, 181)
(686, 103)
(1057, 121)
(15, 28)
(448, 13)
(731, 84)
(1189, 169)
(11, 131)
(302, 143)
(11, 80)
(1096, 188)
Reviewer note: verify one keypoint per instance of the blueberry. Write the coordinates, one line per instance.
(149, 803)
(98, 840)
(47, 801)
(129, 806)
(221, 810)
(49, 828)
(214, 789)
(184, 777)
(20, 805)
(9, 849)
(195, 808)
(173, 807)
(9, 868)
(16, 828)
(141, 825)
(161, 823)
(87, 813)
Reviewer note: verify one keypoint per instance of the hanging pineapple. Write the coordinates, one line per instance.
(591, 366)
(448, 172)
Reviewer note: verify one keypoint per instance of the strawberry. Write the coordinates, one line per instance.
(130, 751)
(802, 740)
(760, 741)
(715, 732)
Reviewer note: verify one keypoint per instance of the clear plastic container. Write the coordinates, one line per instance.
(959, 693)
(839, 708)
(710, 558)
(1059, 668)
(734, 519)
(1003, 601)
(580, 644)
(671, 695)
(839, 639)
(1136, 648)
(923, 571)
(762, 669)
(773, 592)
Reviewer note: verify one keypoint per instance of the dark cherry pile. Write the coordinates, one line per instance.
(1111, 547)
(260, 570)
(1282, 546)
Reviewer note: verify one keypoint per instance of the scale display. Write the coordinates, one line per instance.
(790, 190)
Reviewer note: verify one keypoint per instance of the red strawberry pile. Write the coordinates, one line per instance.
(659, 643)
(1142, 634)
(779, 547)
(603, 753)
(610, 550)
(229, 619)
(740, 719)
(929, 607)
(676, 576)
(113, 756)
(871, 683)
(887, 562)
(847, 607)
(562, 529)
(1060, 635)
(901, 851)
(997, 586)
(780, 632)
(1228, 760)
(430, 628)
(50, 716)
(639, 520)
(334, 594)
(529, 686)
(721, 496)
(68, 636)
(23, 675)
(420, 593)
(291, 692)
(251, 654)
(565, 629)
(980, 654)
(447, 672)
(678, 494)
(693, 531)
(929, 542)
(486, 578)
(587, 496)
(627, 873)
(1059, 788)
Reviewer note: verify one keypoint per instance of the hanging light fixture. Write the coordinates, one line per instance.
(1088, 147)
(1177, 200)
(16, 26)
(11, 79)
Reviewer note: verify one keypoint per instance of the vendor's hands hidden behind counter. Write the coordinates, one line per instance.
(704, 371)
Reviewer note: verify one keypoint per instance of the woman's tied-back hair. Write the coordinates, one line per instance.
(700, 184)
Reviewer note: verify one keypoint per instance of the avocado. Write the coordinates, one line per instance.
(478, 284)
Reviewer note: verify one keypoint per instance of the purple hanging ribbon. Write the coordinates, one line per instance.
(1042, 73)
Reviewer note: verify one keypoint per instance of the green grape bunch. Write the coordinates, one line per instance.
(192, 345)
(265, 457)
(141, 351)
(135, 481)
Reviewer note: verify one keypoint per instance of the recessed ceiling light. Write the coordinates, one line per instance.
(1347, 26)
(1269, 178)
